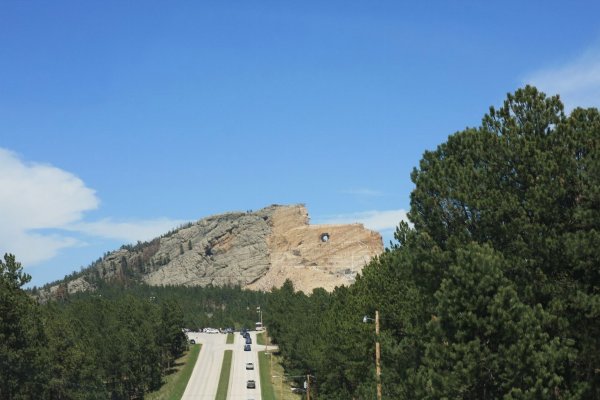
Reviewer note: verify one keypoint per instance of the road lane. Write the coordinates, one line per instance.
(205, 377)
(240, 376)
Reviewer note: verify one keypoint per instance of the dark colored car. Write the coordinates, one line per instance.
(248, 340)
(192, 341)
(247, 347)
(251, 384)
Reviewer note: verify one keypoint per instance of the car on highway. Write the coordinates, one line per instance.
(251, 384)
(249, 366)
(247, 347)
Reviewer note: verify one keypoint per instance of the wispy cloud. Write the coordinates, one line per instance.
(130, 231)
(37, 197)
(382, 221)
(577, 82)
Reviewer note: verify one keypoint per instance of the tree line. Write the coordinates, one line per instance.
(201, 307)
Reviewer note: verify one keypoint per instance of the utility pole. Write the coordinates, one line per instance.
(377, 356)
(308, 387)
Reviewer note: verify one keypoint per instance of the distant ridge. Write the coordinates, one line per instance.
(256, 250)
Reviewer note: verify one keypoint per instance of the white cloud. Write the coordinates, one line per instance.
(376, 220)
(32, 248)
(130, 231)
(577, 82)
(36, 197)
(40, 196)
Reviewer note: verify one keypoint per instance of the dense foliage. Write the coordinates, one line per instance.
(494, 293)
(86, 348)
(201, 307)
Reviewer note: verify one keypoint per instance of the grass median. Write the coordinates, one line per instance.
(229, 338)
(225, 373)
(177, 380)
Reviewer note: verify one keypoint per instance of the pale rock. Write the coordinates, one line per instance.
(256, 250)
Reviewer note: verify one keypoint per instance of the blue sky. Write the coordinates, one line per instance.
(120, 120)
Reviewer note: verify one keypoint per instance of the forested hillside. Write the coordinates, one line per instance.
(495, 291)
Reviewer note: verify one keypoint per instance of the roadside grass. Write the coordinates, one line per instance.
(224, 379)
(176, 382)
(260, 338)
(264, 366)
(229, 338)
(277, 388)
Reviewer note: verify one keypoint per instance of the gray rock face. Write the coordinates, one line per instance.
(256, 250)
(228, 249)
(60, 291)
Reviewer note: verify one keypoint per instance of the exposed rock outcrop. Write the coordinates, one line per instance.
(314, 256)
(257, 250)
(221, 250)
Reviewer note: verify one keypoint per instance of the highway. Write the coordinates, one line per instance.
(205, 376)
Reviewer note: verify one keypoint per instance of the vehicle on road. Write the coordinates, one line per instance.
(251, 384)
(247, 347)
(192, 341)
(248, 340)
(249, 366)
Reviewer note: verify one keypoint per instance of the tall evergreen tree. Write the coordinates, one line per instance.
(486, 343)
(22, 338)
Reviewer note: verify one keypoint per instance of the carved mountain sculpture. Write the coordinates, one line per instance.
(256, 250)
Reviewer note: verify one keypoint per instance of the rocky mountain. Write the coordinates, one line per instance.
(256, 250)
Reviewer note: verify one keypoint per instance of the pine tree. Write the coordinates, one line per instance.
(22, 340)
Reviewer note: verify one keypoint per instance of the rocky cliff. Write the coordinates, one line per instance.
(256, 250)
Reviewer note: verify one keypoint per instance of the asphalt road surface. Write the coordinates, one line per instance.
(205, 377)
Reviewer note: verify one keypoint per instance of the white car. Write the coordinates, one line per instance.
(210, 330)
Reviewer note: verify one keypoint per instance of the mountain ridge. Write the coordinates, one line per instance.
(254, 249)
